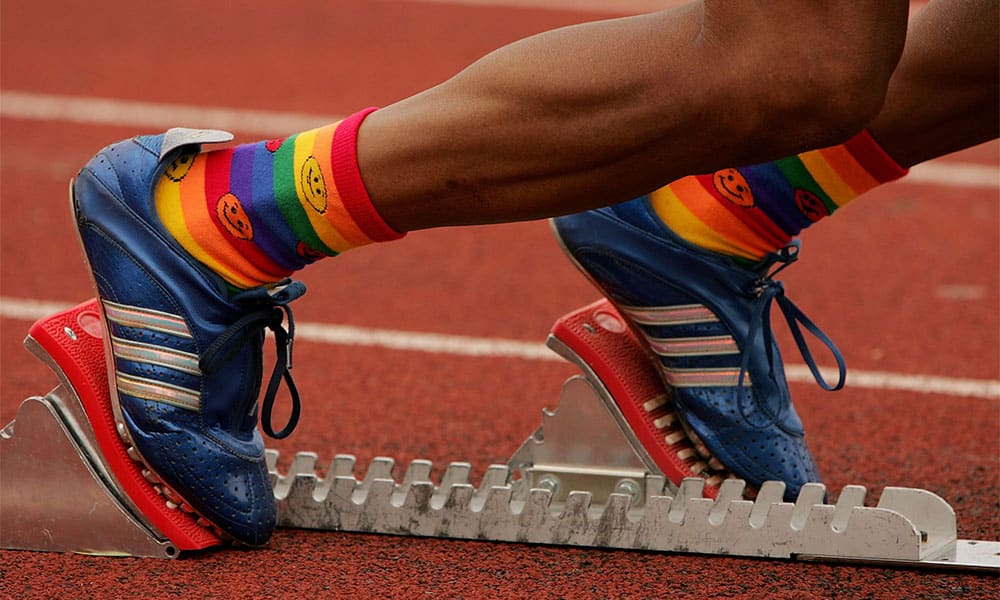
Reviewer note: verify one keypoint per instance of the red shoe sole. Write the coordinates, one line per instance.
(82, 363)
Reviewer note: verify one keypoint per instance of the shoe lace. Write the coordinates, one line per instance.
(272, 309)
(767, 291)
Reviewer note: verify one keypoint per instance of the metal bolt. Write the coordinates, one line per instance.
(548, 482)
(628, 487)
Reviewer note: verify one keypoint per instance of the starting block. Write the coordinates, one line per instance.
(609, 467)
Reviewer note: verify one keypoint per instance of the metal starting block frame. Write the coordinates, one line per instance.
(581, 479)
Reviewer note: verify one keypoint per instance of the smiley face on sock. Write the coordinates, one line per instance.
(810, 205)
(731, 184)
(233, 217)
(180, 167)
(313, 184)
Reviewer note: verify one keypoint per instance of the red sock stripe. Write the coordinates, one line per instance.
(873, 158)
(347, 175)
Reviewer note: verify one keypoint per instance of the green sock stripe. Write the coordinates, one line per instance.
(287, 198)
(799, 177)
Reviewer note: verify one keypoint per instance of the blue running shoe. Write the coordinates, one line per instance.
(707, 320)
(184, 351)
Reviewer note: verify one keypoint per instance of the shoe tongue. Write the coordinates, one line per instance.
(182, 136)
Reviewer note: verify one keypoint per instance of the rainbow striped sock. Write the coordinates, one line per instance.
(256, 213)
(750, 212)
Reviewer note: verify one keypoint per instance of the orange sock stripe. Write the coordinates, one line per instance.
(854, 176)
(336, 214)
(701, 227)
(699, 195)
(753, 218)
(314, 200)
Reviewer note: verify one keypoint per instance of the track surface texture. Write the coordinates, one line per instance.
(906, 281)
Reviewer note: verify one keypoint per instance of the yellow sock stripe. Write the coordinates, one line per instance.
(336, 213)
(314, 196)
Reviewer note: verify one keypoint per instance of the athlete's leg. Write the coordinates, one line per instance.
(603, 112)
(944, 95)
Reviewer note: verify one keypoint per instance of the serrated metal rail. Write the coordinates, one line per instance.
(908, 526)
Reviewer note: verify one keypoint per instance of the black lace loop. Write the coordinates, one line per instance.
(247, 329)
(767, 291)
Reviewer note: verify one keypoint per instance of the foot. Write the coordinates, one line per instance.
(706, 319)
(184, 351)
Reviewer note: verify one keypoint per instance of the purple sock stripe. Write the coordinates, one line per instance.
(241, 184)
(775, 197)
(272, 232)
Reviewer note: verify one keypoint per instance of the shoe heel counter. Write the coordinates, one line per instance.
(96, 184)
(640, 213)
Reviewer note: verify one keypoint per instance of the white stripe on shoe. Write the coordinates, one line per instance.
(151, 354)
(132, 316)
(157, 391)
(145, 353)
(682, 314)
(688, 378)
(694, 346)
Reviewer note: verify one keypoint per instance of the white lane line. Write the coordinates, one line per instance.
(159, 116)
(435, 343)
(156, 116)
(955, 175)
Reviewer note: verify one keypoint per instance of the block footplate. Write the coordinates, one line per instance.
(608, 468)
(67, 482)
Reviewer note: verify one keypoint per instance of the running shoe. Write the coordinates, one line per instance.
(706, 320)
(183, 349)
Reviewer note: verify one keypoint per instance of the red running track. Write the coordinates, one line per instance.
(906, 281)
